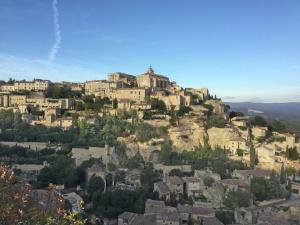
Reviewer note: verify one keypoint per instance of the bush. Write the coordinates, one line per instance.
(144, 132)
(236, 199)
(226, 217)
(292, 154)
(95, 184)
(267, 189)
(216, 121)
(240, 152)
(158, 105)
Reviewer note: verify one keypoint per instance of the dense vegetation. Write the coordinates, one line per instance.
(202, 157)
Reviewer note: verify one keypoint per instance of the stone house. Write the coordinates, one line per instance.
(133, 178)
(258, 132)
(234, 184)
(106, 154)
(192, 186)
(175, 185)
(247, 175)
(184, 212)
(123, 77)
(75, 200)
(163, 190)
(198, 213)
(137, 94)
(240, 121)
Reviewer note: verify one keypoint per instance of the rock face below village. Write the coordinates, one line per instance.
(221, 136)
(187, 136)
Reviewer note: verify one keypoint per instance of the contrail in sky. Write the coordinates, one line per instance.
(57, 35)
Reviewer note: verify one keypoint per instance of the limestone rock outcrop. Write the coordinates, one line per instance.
(221, 136)
(187, 136)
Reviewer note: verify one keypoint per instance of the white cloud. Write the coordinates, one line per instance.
(57, 34)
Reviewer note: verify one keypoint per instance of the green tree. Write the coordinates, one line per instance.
(174, 118)
(252, 155)
(95, 184)
(258, 187)
(144, 132)
(240, 152)
(216, 121)
(292, 153)
(259, 121)
(278, 126)
(236, 199)
(282, 174)
(165, 153)
(115, 103)
(158, 105)
(225, 216)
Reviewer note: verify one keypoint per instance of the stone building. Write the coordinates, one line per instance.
(95, 86)
(258, 132)
(35, 85)
(137, 94)
(152, 80)
(192, 186)
(175, 185)
(123, 77)
(106, 154)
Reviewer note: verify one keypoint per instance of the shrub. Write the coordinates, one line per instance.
(144, 132)
(216, 121)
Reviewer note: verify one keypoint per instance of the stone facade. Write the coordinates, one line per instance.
(35, 85)
(123, 77)
(152, 80)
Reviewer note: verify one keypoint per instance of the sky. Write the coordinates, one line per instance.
(242, 50)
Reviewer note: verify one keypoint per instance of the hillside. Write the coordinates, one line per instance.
(286, 112)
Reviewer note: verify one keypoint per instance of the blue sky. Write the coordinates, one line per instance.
(240, 50)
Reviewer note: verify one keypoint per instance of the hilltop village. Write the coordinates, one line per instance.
(142, 150)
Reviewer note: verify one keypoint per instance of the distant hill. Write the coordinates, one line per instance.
(286, 112)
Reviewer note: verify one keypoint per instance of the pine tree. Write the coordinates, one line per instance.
(282, 174)
(252, 156)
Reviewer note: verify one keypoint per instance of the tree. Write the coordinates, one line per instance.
(45, 177)
(259, 121)
(235, 114)
(165, 153)
(158, 105)
(226, 217)
(267, 189)
(95, 184)
(278, 126)
(135, 162)
(236, 199)
(115, 103)
(252, 155)
(216, 121)
(240, 152)
(18, 208)
(292, 153)
(282, 174)
(258, 187)
(174, 118)
(144, 132)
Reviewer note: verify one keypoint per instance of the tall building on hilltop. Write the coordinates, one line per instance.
(152, 80)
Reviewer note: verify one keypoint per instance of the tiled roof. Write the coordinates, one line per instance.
(164, 189)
